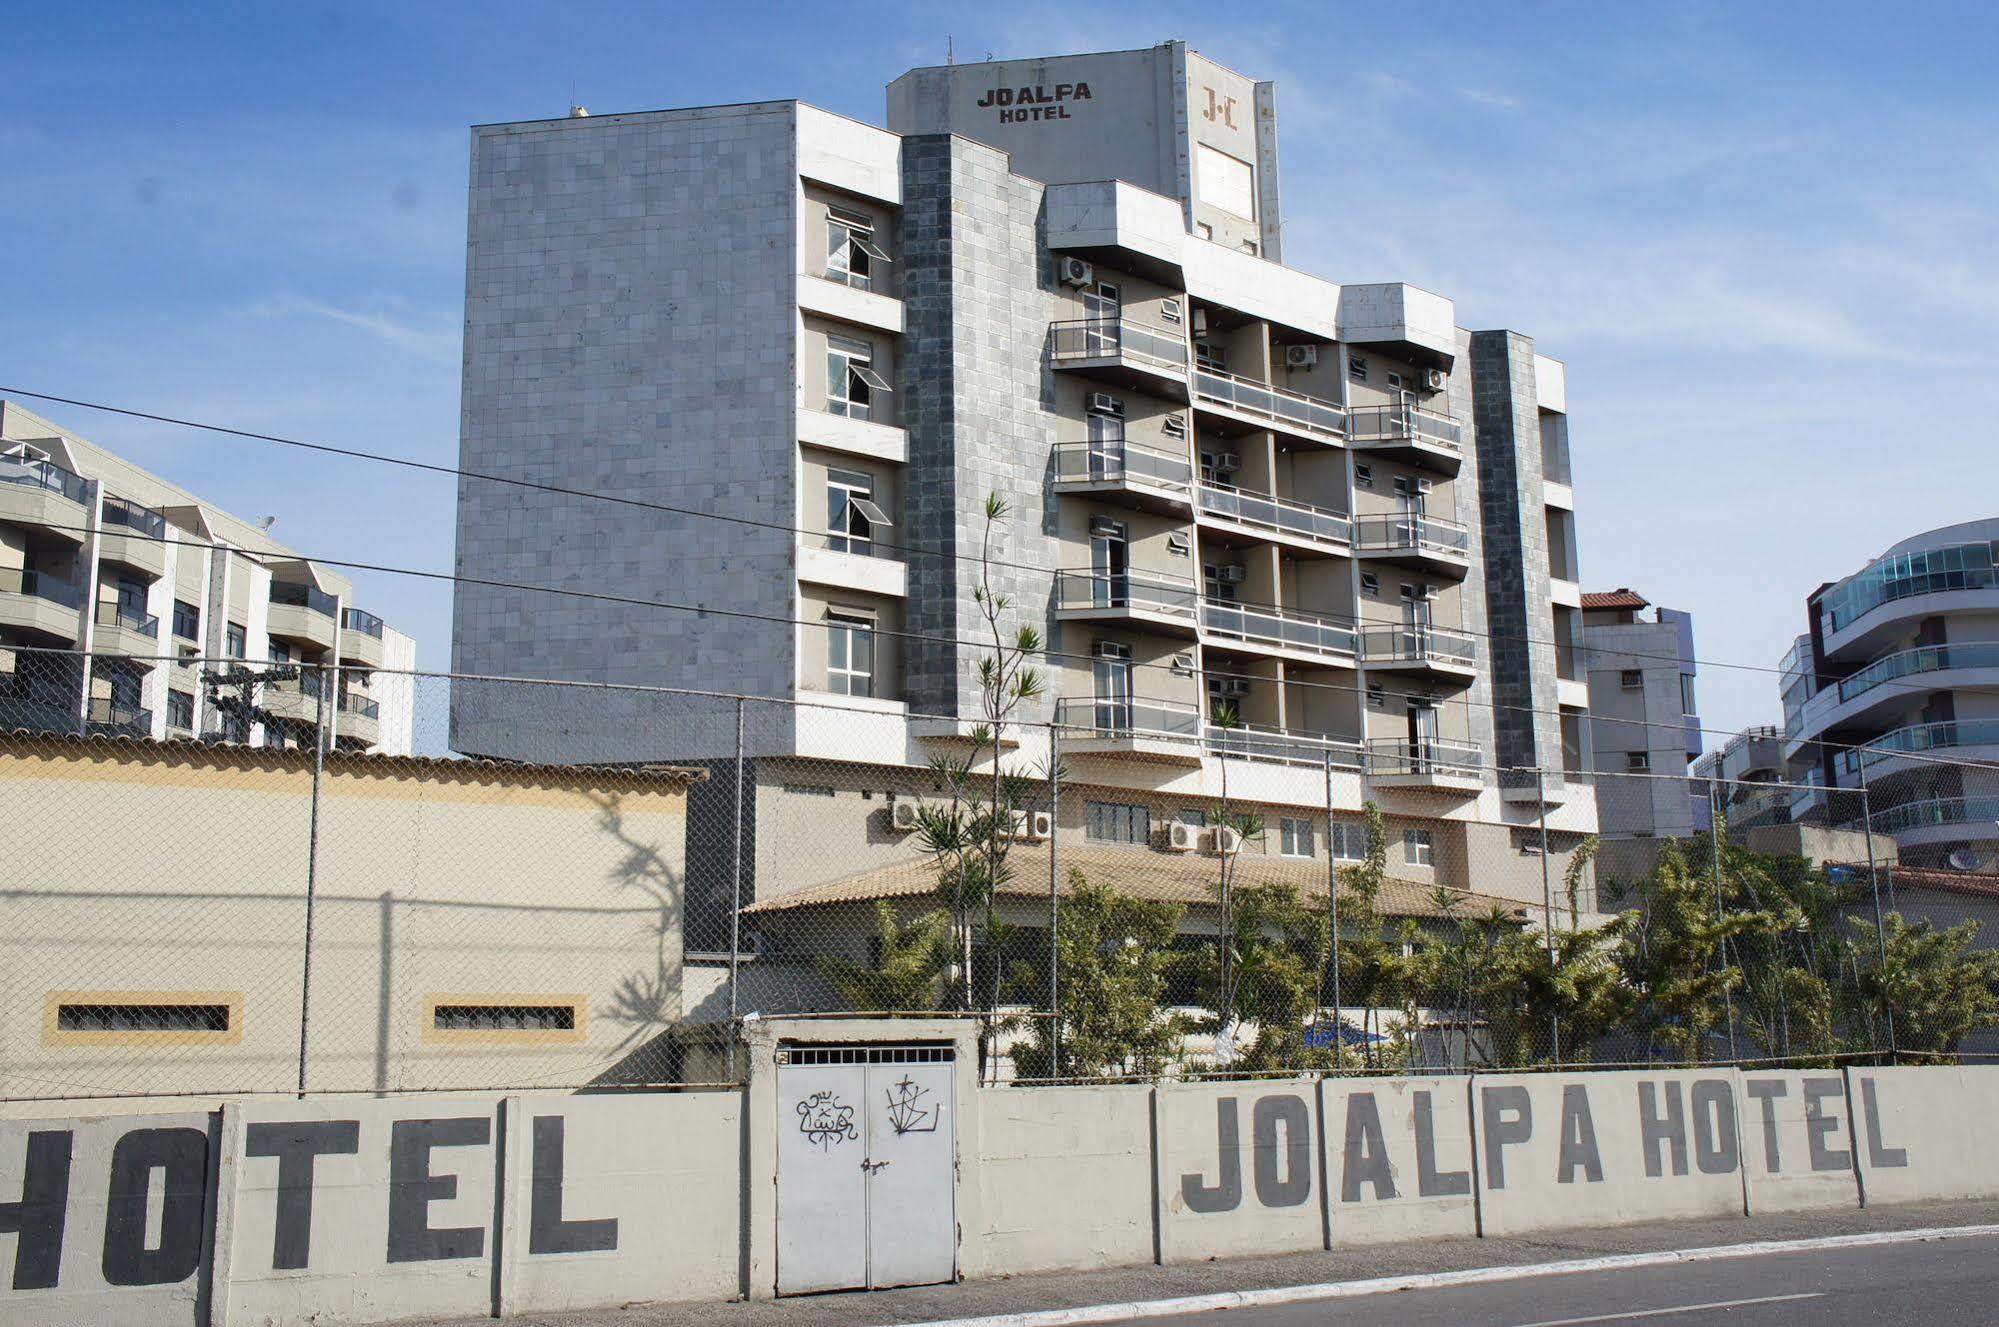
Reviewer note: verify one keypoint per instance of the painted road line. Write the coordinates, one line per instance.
(1383, 1285)
(1672, 1309)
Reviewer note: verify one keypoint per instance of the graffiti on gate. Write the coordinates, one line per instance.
(906, 1114)
(825, 1121)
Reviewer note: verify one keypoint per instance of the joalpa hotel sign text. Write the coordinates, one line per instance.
(1019, 105)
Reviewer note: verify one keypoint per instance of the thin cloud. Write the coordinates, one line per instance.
(434, 338)
(1485, 97)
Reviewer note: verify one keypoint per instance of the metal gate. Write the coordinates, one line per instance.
(866, 1167)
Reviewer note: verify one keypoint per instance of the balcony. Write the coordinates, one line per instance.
(1426, 763)
(1437, 651)
(1939, 820)
(1922, 659)
(1157, 730)
(1284, 632)
(303, 613)
(109, 718)
(39, 493)
(1950, 735)
(850, 562)
(1288, 522)
(1261, 405)
(1409, 434)
(1123, 352)
(359, 720)
(1284, 746)
(1128, 473)
(1423, 543)
(34, 601)
(133, 535)
(122, 630)
(360, 638)
(1137, 598)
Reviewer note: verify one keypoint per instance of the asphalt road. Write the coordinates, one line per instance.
(1947, 1283)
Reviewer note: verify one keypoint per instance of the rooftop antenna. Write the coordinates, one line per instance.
(265, 523)
(950, 50)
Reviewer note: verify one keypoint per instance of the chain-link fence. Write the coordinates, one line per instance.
(334, 879)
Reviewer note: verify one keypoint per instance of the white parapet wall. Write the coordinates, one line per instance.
(339, 1209)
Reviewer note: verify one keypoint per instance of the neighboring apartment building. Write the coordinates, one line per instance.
(100, 560)
(1748, 780)
(1894, 688)
(1644, 726)
(1328, 508)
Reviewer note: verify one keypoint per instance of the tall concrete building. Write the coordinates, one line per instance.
(1894, 688)
(1327, 508)
(105, 563)
(1644, 724)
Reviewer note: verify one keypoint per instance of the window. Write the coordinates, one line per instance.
(809, 789)
(1363, 476)
(1687, 705)
(1117, 822)
(1357, 368)
(1637, 761)
(236, 642)
(1174, 426)
(851, 251)
(1169, 311)
(149, 1017)
(1631, 679)
(851, 380)
(279, 652)
(187, 620)
(180, 710)
(1192, 816)
(1370, 584)
(1394, 379)
(1204, 230)
(1211, 356)
(1179, 545)
(1294, 837)
(1376, 697)
(1419, 847)
(503, 1017)
(850, 652)
(851, 514)
(1348, 841)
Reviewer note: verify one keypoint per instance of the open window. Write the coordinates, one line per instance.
(851, 381)
(852, 516)
(852, 255)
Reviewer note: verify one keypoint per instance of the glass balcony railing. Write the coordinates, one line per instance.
(1403, 423)
(1260, 624)
(1430, 755)
(1140, 591)
(134, 518)
(1922, 659)
(1920, 737)
(1978, 813)
(1408, 532)
(1272, 513)
(309, 597)
(1418, 644)
(112, 717)
(366, 623)
(1124, 716)
(44, 475)
(41, 585)
(1117, 338)
(1120, 463)
(361, 706)
(130, 619)
(1283, 746)
(1276, 404)
(1930, 571)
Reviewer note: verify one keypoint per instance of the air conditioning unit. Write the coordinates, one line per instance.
(1231, 575)
(1180, 837)
(1434, 380)
(1103, 403)
(1232, 688)
(902, 815)
(1224, 841)
(1030, 826)
(1075, 272)
(1229, 461)
(1300, 357)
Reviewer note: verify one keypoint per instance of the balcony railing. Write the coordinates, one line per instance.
(366, 623)
(1980, 812)
(41, 585)
(44, 475)
(1922, 659)
(1418, 644)
(1922, 737)
(1403, 423)
(108, 716)
(1284, 746)
(1409, 532)
(1272, 513)
(1278, 626)
(139, 520)
(356, 704)
(1141, 591)
(1117, 338)
(1120, 717)
(309, 597)
(130, 619)
(1120, 463)
(1276, 404)
(1430, 755)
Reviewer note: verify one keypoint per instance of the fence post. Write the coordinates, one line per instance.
(1333, 919)
(736, 888)
(1547, 907)
(311, 871)
(1874, 887)
(1715, 828)
(1054, 899)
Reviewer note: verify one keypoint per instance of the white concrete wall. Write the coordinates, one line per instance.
(1099, 1139)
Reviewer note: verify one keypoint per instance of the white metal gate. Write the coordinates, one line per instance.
(866, 1167)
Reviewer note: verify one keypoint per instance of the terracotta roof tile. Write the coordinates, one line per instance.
(1618, 598)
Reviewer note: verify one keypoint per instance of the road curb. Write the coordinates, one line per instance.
(1383, 1285)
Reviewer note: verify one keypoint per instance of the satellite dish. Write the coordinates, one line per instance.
(1964, 859)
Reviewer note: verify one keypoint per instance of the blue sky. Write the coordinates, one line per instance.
(1762, 236)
